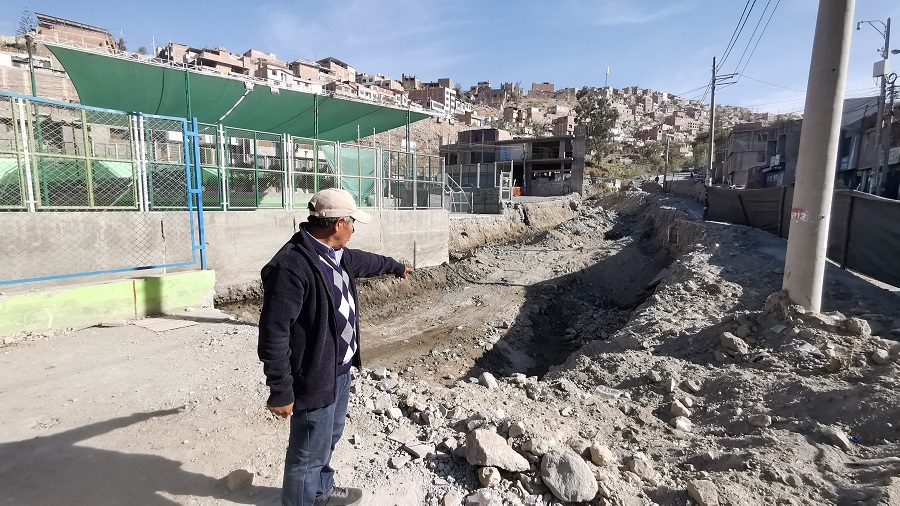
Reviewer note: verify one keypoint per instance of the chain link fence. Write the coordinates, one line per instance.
(78, 187)
(92, 191)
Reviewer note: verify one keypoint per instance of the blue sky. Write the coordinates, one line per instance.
(665, 45)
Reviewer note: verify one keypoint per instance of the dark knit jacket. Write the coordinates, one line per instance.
(298, 341)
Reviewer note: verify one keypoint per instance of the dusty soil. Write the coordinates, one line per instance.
(592, 343)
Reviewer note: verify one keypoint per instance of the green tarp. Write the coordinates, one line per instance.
(55, 170)
(356, 165)
(123, 84)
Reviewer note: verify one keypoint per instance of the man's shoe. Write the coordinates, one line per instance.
(344, 496)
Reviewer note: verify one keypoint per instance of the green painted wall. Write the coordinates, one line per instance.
(84, 306)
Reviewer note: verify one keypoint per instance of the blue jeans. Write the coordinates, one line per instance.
(308, 475)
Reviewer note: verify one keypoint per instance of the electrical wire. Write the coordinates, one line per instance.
(737, 30)
(759, 38)
(770, 84)
(750, 40)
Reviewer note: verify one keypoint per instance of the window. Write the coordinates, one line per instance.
(760, 156)
(762, 137)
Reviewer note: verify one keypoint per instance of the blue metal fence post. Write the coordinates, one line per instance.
(194, 189)
(198, 191)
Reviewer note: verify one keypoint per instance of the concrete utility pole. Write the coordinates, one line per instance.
(716, 79)
(881, 159)
(804, 268)
(712, 124)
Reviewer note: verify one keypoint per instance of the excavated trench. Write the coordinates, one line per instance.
(514, 308)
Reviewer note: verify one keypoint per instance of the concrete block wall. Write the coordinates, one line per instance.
(52, 86)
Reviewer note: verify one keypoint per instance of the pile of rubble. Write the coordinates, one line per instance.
(716, 390)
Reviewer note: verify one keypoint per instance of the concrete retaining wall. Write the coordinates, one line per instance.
(239, 244)
(516, 221)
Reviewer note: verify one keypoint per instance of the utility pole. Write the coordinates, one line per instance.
(712, 124)
(804, 267)
(29, 41)
(881, 148)
(712, 117)
(666, 166)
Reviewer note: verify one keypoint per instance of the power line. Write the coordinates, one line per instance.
(691, 91)
(752, 35)
(759, 38)
(740, 26)
(770, 84)
(857, 94)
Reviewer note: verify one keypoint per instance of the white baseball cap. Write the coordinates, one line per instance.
(336, 203)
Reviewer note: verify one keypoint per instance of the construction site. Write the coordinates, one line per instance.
(648, 356)
(561, 340)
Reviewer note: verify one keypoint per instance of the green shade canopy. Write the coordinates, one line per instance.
(113, 82)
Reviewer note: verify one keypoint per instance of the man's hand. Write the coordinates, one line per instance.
(282, 411)
(406, 270)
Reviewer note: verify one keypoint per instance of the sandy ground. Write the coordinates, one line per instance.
(124, 415)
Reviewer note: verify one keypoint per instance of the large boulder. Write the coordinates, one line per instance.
(568, 476)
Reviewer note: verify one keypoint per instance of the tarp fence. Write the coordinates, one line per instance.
(864, 231)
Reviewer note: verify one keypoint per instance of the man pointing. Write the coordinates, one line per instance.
(309, 339)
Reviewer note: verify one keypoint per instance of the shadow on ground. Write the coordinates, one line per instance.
(63, 469)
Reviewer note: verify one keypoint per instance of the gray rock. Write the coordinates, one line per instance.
(691, 386)
(735, 344)
(403, 435)
(568, 476)
(394, 413)
(838, 438)
(239, 479)
(487, 448)
(398, 462)
(834, 364)
(485, 497)
(380, 373)
(794, 480)
(488, 476)
(601, 455)
(418, 450)
(881, 356)
(654, 376)
(759, 420)
(670, 385)
(516, 429)
(642, 468)
(857, 326)
(451, 498)
(679, 409)
(743, 331)
(682, 423)
(719, 356)
(487, 379)
(703, 492)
